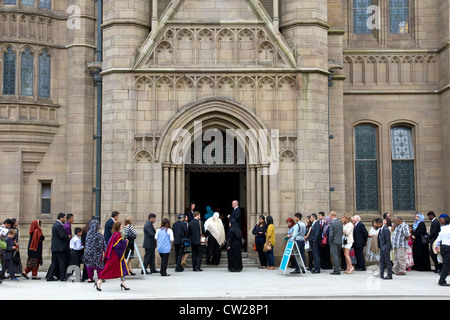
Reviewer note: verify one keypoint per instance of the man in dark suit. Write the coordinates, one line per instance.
(180, 230)
(435, 228)
(360, 236)
(196, 230)
(335, 241)
(315, 238)
(236, 214)
(385, 245)
(109, 224)
(60, 249)
(149, 244)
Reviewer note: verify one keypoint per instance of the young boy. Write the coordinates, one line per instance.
(9, 254)
(76, 250)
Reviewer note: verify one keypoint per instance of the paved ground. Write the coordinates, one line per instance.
(250, 284)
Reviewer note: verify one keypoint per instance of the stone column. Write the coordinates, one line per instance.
(179, 191)
(259, 202)
(165, 207)
(172, 193)
(265, 188)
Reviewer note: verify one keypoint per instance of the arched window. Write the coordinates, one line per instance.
(403, 182)
(9, 72)
(360, 16)
(44, 74)
(366, 168)
(398, 16)
(26, 73)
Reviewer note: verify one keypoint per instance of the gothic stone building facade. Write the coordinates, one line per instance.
(354, 101)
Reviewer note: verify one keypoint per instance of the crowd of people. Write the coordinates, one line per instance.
(390, 244)
(338, 243)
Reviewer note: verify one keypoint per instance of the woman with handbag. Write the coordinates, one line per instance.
(130, 234)
(259, 231)
(270, 243)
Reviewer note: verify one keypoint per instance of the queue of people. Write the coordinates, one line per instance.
(338, 243)
(391, 244)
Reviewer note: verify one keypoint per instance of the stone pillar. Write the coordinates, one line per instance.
(252, 193)
(302, 21)
(265, 188)
(126, 25)
(165, 206)
(80, 114)
(259, 203)
(172, 193)
(179, 191)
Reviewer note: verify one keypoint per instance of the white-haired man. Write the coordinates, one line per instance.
(360, 236)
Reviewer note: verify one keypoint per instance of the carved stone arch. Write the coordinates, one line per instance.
(185, 45)
(23, 47)
(184, 91)
(205, 46)
(394, 70)
(267, 83)
(142, 83)
(164, 82)
(358, 70)
(407, 69)
(164, 53)
(288, 156)
(246, 91)
(431, 66)
(246, 47)
(226, 87)
(261, 35)
(419, 70)
(382, 70)
(169, 35)
(143, 155)
(205, 87)
(225, 47)
(348, 68)
(267, 54)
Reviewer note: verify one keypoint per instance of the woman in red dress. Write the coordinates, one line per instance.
(115, 265)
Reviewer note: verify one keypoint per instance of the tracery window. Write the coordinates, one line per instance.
(44, 74)
(9, 72)
(398, 16)
(360, 16)
(403, 181)
(26, 73)
(366, 168)
(45, 4)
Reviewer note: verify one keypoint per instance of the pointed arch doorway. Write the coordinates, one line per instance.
(243, 179)
(217, 185)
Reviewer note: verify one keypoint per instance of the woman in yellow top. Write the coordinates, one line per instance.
(270, 236)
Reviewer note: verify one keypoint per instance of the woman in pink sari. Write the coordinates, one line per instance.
(115, 265)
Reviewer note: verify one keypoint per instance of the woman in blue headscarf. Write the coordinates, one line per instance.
(420, 245)
(209, 213)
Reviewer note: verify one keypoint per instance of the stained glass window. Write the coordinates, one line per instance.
(10, 1)
(28, 3)
(9, 72)
(398, 16)
(403, 182)
(44, 74)
(45, 4)
(360, 16)
(26, 73)
(366, 168)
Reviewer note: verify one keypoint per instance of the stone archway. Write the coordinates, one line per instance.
(173, 152)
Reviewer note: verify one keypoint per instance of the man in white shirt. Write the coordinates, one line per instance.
(443, 243)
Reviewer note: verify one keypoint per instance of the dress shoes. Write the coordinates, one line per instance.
(387, 278)
(444, 284)
(336, 273)
(315, 270)
(294, 272)
(146, 272)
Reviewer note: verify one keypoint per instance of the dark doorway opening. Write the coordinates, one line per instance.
(217, 190)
